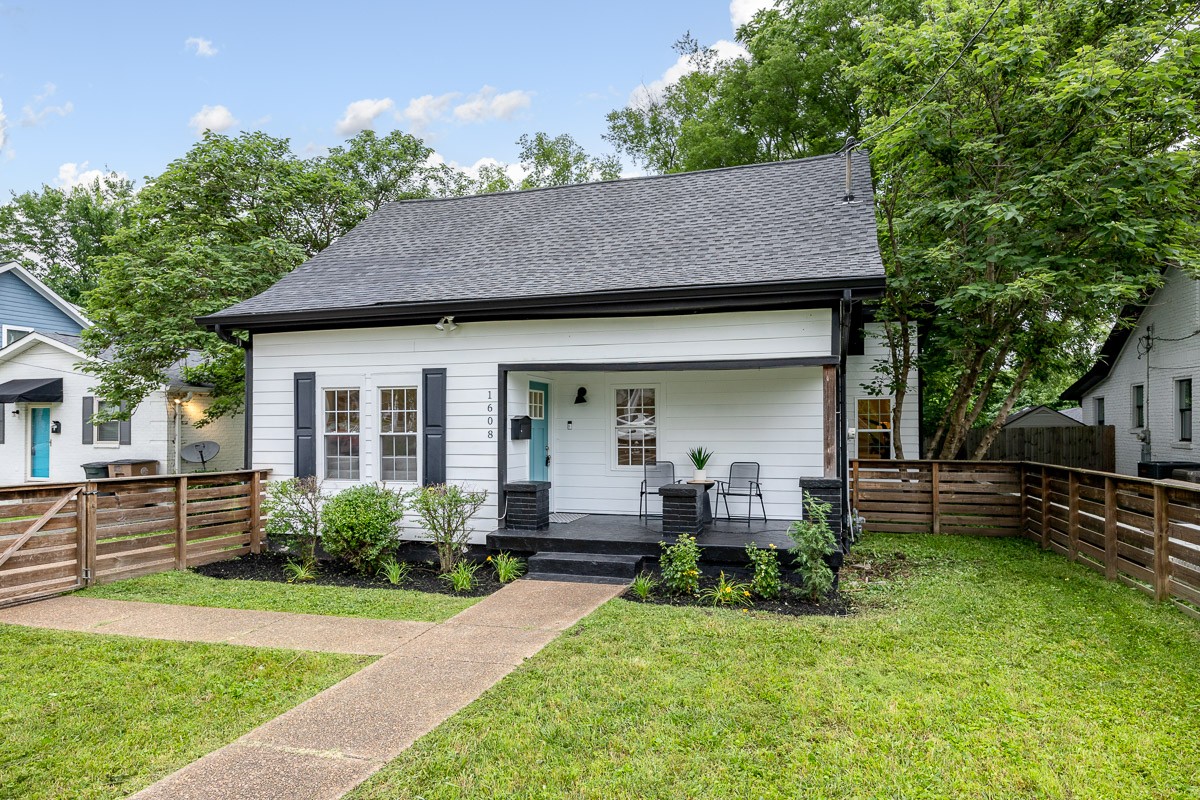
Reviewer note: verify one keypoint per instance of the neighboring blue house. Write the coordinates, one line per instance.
(28, 305)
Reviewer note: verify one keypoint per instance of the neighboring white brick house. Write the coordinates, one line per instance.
(1143, 379)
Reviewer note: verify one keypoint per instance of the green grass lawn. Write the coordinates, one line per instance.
(190, 588)
(987, 669)
(86, 716)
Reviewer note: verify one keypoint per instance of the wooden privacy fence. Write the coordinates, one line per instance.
(1081, 446)
(58, 537)
(1142, 532)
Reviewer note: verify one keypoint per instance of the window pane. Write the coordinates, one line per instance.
(341, 434)
(636, 427)
(1183, 391)
(397, 434)
(107, 432)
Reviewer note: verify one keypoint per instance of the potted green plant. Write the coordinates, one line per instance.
(699, 458)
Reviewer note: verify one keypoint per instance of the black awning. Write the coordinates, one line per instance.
(32, 390)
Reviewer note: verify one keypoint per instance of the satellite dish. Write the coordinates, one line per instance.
(200, 452)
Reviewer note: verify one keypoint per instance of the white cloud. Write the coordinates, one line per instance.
(201, 47)
(423, 111)
(31, 116)
(71, 175)
(742, 11)
(515, 172)
(360, 115)
(3, 126)
(217, 119)
(486, 105)
(725, 49)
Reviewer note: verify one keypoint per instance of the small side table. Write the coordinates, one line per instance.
(707, 517)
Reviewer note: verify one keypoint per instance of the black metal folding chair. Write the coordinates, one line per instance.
(660, 473)
(743, 482)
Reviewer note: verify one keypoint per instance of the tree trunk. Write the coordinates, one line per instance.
(993, 430)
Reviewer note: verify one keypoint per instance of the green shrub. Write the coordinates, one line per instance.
(508, 567)
(727, 593)
(462, 577)
(767, 582)
(293, 518)
(359, 525)
(299, 572)
(643, 586)
(814, 540)
(395, 572)
(680, 565)
(445, 512)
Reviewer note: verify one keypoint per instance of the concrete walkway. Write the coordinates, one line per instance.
(329, 744)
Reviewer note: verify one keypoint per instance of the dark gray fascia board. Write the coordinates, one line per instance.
(689, 299)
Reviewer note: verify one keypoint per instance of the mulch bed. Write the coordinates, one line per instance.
(788, 603)
(269, 567)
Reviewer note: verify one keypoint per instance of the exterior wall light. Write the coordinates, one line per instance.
(581, 395)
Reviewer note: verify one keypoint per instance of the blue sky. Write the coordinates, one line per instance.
(126, 86)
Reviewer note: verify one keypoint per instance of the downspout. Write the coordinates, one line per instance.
(842, 456)
(247, 346)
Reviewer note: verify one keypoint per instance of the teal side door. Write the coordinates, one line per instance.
(539, 434)
(39, 443)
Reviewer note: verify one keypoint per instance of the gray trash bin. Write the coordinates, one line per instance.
(95, 469)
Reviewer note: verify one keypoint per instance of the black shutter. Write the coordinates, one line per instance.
(433, 431)
(304, 387)
(126, 427)
(89, 409)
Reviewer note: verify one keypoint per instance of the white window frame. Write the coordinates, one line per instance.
(861, 432)
(1178, 412)
(614, 450)
(325, 390)
(1099, 410)
(4, 330)
(96, 440)
(415, 432)
(1133, 406)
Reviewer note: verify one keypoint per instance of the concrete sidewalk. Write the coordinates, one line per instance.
(329, 744)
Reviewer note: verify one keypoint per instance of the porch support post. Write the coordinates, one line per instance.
(528, 505)
(829, 395)
(683, 508)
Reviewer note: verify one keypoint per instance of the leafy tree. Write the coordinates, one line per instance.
(560, 160)
(57, 234)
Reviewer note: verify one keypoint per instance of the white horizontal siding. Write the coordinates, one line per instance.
(861, 374)
(371, 358)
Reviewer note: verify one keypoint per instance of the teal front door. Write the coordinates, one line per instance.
(539, 432)
(39, 443)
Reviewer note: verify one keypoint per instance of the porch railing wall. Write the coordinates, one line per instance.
(58, 537)
(1144, 533)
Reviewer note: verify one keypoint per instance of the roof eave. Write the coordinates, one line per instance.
(676, 300)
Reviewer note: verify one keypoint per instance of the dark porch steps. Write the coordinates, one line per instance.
(596, 565)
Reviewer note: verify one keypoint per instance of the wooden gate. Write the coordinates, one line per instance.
(42, 540)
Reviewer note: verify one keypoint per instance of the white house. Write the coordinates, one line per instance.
(1142, 380)
(47, 404)
(628, 320)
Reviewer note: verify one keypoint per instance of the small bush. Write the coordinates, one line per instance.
(508, 567)
(814, 540)
(643, 586)
(445, 512)
(395, 572)
(359, 525)
(462, 577)
(293, 517)
(727, 593)
(679, 565)
(767, 582)
(299, 572)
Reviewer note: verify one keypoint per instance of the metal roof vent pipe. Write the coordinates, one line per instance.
(848, 197)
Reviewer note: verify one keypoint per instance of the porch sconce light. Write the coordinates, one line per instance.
(16, 412)
(56, 427)
(446, 324)
(581, 395)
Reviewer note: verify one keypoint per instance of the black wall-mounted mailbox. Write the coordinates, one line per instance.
(522, 428)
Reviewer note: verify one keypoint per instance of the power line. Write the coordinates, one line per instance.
(937, 81)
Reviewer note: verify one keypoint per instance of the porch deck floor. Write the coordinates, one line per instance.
(722, 541)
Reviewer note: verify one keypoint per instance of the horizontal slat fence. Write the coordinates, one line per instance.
(1080, 446)
(1142, 532)
(55, 538)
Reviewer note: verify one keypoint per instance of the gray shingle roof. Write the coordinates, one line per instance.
(764, 223)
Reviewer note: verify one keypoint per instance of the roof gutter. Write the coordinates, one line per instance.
(685, 299)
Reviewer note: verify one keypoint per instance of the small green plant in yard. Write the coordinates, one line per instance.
(395, 572)
(293, 517)
(359, 525)
(680, 565)
(766, 582)
(814, 540)
(462, 577)
(727, 593)
(300, 572)
(508, 567)
(445, 512)
(643, 586)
